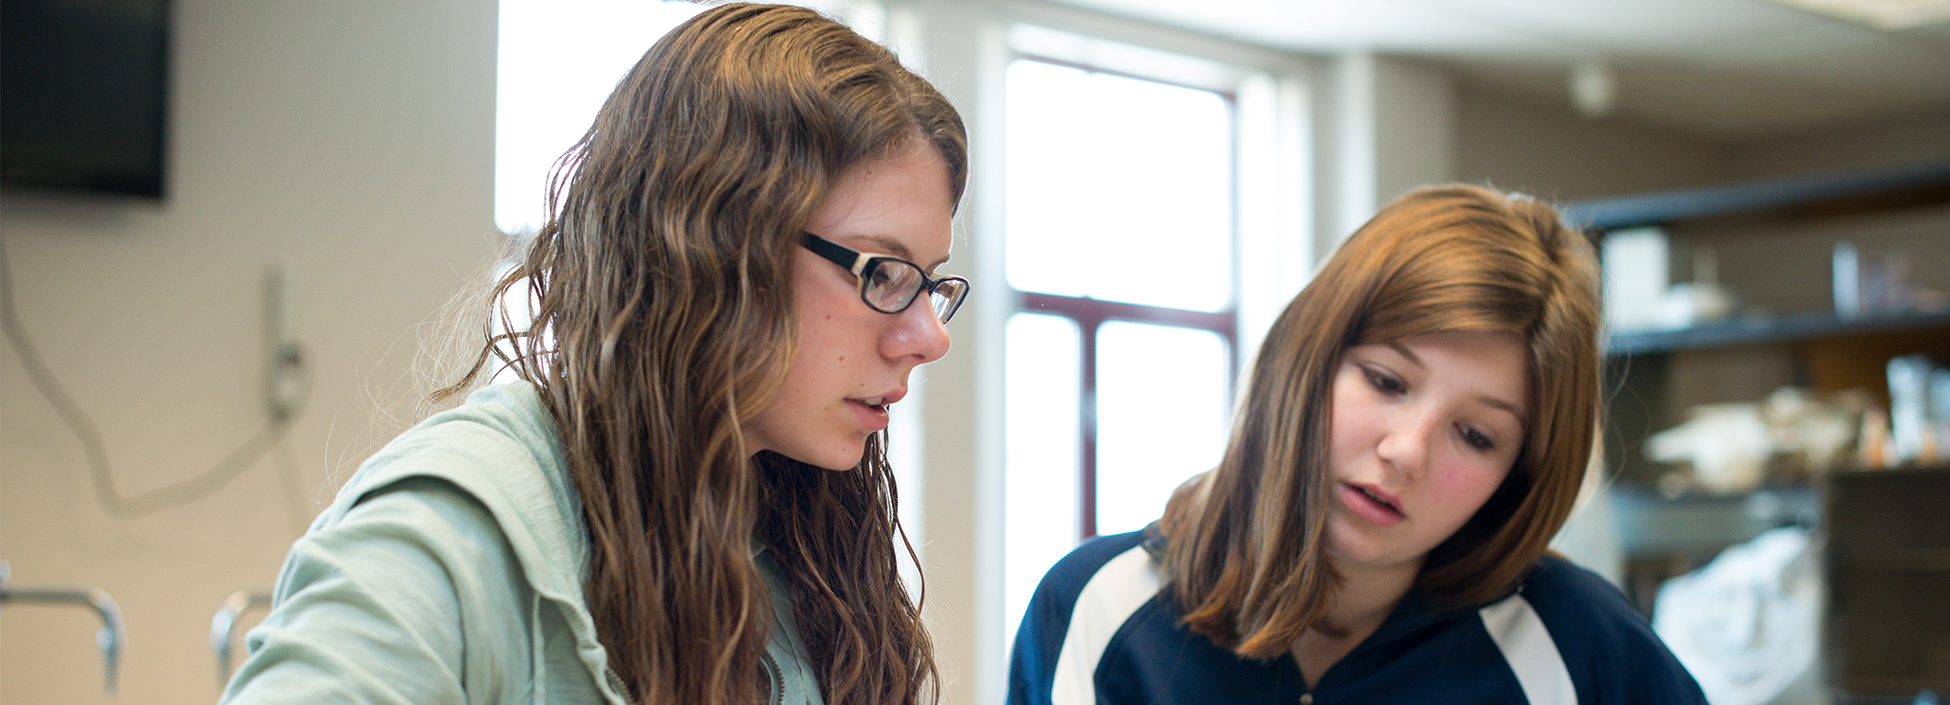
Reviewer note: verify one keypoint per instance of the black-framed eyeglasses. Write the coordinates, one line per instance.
(890, 284)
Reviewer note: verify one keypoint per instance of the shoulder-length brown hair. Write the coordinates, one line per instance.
(1246, 558)
(664, 322)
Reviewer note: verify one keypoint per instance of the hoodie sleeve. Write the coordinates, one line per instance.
(388, 603)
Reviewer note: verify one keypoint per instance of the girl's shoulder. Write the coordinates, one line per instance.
(1606, 645)
(501, 442)
(501, 450)
(1571, 597)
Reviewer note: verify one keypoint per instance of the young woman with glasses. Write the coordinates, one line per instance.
(685, 498)
(1412, 435)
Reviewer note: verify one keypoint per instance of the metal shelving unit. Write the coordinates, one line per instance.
(1888, 631)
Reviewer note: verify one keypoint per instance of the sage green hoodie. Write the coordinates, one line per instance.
(449, 570)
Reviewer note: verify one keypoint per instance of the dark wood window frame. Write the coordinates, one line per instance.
(1090, 315)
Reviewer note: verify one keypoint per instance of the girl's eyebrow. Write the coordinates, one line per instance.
(891, 246)
(1403, 350)
(1485, 399)
(1514, 410)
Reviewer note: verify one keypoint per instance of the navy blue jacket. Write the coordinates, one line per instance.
(1099, 630)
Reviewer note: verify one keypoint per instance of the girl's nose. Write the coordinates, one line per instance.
(917, 332)
(1406, 445)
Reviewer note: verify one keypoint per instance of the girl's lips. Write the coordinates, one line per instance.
(872, 415)
(1372, 504)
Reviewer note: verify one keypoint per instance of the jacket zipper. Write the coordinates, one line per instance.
(775, 677)
(616, 683)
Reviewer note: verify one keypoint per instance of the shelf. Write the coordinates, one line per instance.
(1798, 197)
(1774, 329)
(1887, 533)
(1899, 690)
(1651, 525)
(1896, 560)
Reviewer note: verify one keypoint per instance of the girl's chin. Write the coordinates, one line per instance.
(1350, 548)
(829, 464)
(839, 460)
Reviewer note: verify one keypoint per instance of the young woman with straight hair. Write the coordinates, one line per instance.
(685, 496)
(1413, 433)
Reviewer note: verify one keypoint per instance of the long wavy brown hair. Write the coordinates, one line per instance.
(664, 322)
(1246, 556)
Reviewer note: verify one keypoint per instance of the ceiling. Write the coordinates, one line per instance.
(1731, 71)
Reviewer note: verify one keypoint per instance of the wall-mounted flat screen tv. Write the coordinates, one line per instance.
(84, 95)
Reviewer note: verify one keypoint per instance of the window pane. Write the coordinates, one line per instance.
(1118, 188)
(558, 61)
(1161, 417)
(1041, 499)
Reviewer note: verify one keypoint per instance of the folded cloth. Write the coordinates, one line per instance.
(1746, 625)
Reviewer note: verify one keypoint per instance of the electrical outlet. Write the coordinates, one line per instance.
(284, 360)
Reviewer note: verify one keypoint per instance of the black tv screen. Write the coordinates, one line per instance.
(84, 95)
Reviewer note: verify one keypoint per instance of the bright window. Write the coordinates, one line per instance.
(558, 62)
(1041, 366)
(1120, 233)
(1118, 188)
(1161, 409)
(559, 59)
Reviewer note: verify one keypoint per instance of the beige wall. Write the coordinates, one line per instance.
(1549, 151)
(349, 141)
(1906, 139)
(1382, 126)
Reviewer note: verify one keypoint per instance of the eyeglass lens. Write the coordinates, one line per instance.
(891, 284)
(947, 296)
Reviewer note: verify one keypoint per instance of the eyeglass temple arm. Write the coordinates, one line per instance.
(839, 254)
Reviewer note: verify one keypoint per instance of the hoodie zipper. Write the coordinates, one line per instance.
(616, 683)
(774, 677)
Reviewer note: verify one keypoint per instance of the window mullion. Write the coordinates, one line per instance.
(1087, 424)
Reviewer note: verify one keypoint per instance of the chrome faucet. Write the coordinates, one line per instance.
(223, 627)
(111, 638)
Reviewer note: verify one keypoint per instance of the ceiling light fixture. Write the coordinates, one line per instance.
(1594, 88)
(1884, 15)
